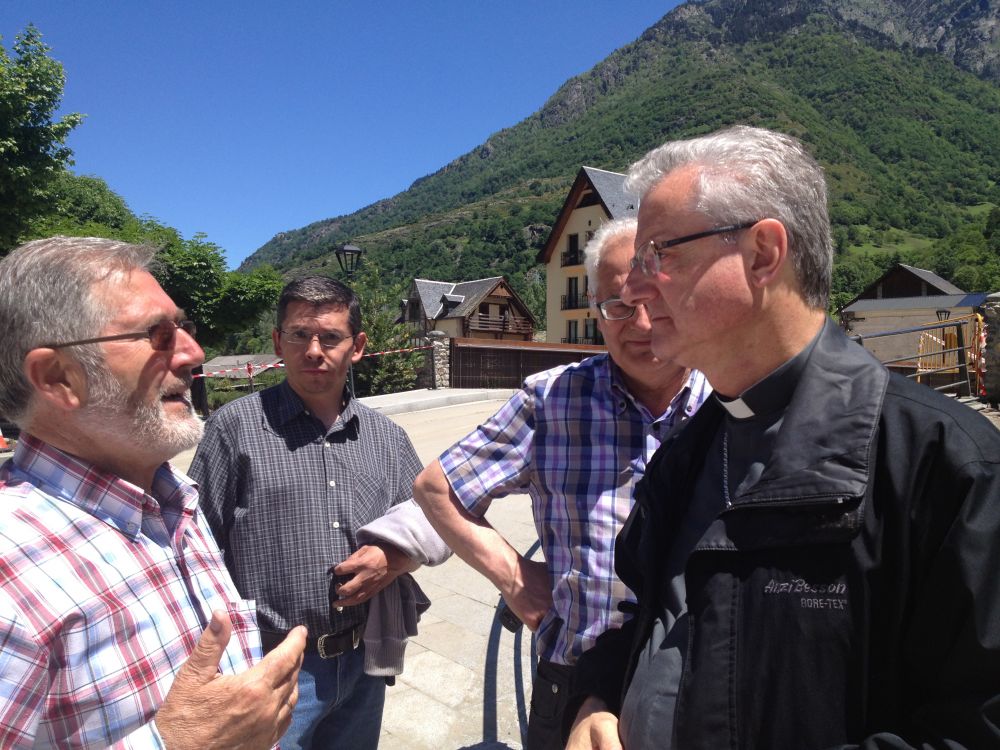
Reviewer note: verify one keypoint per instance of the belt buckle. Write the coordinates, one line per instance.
(321, 644)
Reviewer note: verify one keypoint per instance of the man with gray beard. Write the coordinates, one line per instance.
(119, 624)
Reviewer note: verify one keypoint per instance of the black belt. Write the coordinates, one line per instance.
(327, 646)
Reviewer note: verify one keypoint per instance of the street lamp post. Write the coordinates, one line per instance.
(349, 258)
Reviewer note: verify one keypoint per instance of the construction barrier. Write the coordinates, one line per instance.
(251, 368)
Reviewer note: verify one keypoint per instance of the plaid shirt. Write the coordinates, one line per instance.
(577, 441)
(285, 498)
(104, 592)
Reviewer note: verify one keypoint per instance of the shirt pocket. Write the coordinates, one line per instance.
(244, 649)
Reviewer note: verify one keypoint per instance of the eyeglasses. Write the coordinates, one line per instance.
(614, 309)
(300, 337)
(161, 336)
(649, 255)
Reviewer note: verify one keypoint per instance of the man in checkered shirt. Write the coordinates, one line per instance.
(577, 439)
(119, 625)
(288, 476)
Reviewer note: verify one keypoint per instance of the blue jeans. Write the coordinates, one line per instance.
(339, 705)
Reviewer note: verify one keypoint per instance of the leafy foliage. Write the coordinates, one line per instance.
(388, 373)
(193, 273)
(32, 142)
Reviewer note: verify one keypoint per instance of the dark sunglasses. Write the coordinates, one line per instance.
(161, 336)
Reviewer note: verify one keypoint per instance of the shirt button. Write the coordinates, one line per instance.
(335, 525)
(332, 483)
(555, 688)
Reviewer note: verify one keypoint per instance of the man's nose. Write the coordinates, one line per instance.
(313, 348)
(187, 349)
(640, 319)
(637, 288)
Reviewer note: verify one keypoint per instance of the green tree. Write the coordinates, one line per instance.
(193, 272)
(82, 206)
(32, 143)
(389, 373)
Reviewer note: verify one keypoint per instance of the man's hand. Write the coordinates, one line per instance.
(595, 728)
(251, 710)
(372, 568)
(530, 592)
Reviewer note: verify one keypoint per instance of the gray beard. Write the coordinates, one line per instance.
(110, 409)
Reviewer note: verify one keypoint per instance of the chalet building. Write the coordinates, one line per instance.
(907, 297)
(485, 308)
(596, 196)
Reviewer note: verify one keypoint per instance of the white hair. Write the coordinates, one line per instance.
(746, 174)
(603, 237)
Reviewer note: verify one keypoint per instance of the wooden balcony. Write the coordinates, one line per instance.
(500, 324)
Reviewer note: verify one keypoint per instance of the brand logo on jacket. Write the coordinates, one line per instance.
(810, 595)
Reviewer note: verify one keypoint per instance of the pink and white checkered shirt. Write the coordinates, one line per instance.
(104, 592)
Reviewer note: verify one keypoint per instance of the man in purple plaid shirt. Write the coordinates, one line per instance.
(119, 624)
(577, 439)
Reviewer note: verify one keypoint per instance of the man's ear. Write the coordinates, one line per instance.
(359, 347)
(276, 340)
(770, 251)
(57, 378)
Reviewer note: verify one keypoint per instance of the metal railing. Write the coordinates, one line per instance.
(571, 258)
(934, 355)
(574, 302)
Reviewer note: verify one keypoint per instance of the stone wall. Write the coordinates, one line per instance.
(991, 313)
(440, 377)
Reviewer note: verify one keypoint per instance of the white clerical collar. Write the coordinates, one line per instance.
(737, 408)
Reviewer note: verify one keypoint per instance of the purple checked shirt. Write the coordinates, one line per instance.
(577, 442)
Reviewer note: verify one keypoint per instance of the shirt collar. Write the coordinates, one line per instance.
(774, 391)
(290, 406)
(103, 495)
(681, 400)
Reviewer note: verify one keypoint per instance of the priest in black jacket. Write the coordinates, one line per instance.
(817, 554)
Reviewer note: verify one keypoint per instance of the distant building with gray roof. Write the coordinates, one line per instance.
(484, 308)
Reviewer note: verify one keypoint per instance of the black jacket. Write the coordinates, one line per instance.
(851, 597)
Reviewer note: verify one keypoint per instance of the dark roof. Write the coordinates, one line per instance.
(932, 302)
(609, 190)
(474, 292)
(610, 187)
(468, 295)
(430, 294)
(942, 285)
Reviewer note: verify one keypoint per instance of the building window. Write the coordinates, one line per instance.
(572, 256)
(572, 289)
(590, 331)
(572, 332)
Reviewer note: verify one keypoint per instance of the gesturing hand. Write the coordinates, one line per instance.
(250, 710)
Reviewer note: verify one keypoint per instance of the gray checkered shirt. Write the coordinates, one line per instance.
(285, 498)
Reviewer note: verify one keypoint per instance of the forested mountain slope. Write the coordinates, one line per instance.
(899, 100)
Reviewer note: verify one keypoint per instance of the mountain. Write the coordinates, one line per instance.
(898, 99)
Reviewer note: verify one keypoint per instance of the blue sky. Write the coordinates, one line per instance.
(245, 119)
